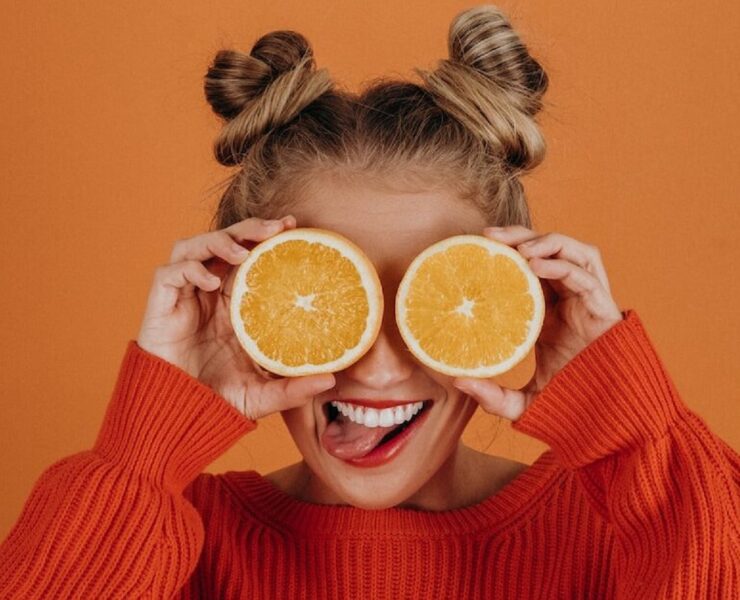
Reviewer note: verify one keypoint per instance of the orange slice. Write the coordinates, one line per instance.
(306, 301)
(469, 306)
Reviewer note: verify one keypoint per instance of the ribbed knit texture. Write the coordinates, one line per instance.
(637, 498)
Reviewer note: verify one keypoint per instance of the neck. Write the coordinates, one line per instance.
(452, 486)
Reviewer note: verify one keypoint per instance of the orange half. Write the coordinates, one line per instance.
(469, 306)
(306, 301)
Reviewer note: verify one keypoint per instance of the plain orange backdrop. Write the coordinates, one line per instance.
(107, 160)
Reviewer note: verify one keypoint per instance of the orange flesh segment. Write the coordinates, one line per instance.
(305, 304)
(471, 321)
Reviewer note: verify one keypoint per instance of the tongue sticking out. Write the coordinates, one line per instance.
(346, 439)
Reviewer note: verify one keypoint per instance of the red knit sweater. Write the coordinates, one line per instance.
(636, 499)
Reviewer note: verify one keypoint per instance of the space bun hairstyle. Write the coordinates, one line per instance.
(258, 92)
(469, 124)
(493, 86)
(277, 109)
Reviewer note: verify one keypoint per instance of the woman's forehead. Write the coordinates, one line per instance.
(373, 216)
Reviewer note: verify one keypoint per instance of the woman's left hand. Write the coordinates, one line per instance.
(578, 309)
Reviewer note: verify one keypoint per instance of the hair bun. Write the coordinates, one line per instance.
(492, 86)
(235, 78)
(262, 90)
(282, 50)
(483, 39)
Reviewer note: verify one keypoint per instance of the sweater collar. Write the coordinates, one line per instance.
(274, 507)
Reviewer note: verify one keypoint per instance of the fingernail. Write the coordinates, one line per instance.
(239, 249)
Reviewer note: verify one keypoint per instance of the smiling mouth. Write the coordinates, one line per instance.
(394, 419)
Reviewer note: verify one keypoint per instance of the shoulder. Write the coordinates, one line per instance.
(484, 475)
(288, 479)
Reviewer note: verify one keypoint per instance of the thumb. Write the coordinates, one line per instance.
(300, 390)
(493, 398)
(292, 392)
(265, 397)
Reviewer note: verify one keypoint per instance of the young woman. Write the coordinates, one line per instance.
(637, 498)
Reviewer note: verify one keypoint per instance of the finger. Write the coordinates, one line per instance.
(512, 235)
(557, 245)
(515, 235)
(258, 230)
(204, 247)
(175, 282)
(264, 398)
(574, 280)
(493, 398)
(289, 222)
(219, 251)
(226, 244)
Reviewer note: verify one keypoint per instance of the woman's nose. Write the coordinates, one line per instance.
(386, 365)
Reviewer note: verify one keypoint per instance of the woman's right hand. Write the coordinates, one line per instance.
(187, 321)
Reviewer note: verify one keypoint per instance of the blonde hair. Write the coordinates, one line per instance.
(470, 123)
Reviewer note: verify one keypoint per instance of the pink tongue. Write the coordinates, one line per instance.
(346, 439)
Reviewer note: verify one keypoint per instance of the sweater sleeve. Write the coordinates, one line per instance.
(112, 522)
(668, 486)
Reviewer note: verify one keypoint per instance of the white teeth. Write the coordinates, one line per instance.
(372, 417)
(386, 418)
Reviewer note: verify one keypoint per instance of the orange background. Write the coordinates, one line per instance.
(106, 158)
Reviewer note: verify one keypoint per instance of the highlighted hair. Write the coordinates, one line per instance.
(469, 124)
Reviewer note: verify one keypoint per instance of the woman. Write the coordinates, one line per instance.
(636, 498)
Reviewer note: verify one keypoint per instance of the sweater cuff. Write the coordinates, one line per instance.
(164, 424)
(613, 395)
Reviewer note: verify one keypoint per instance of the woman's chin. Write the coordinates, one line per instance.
(394, 473)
